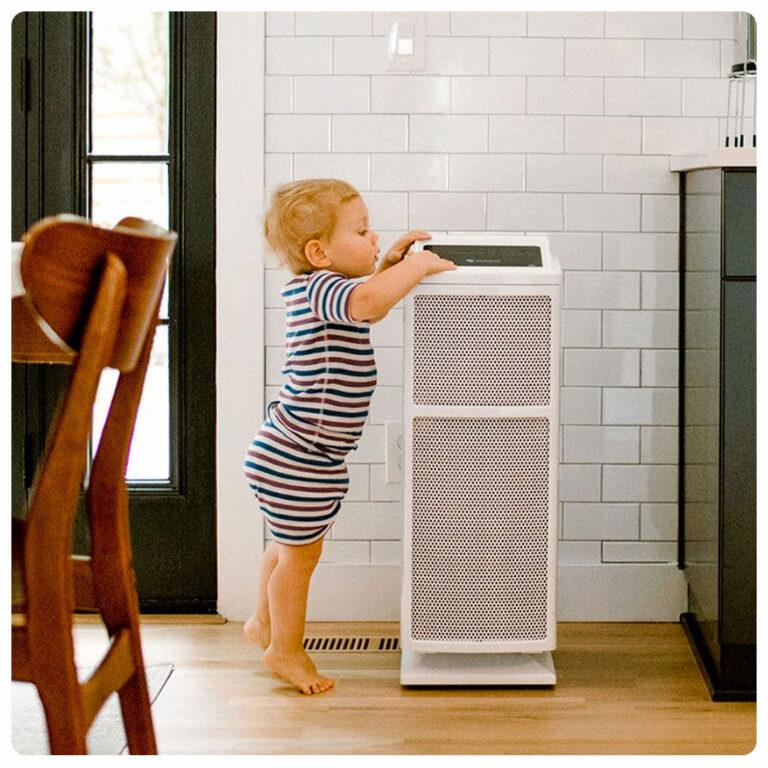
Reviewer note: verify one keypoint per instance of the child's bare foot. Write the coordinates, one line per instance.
(257, 631)
(298, 669)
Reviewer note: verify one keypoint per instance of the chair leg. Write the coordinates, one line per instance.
(48, 538)
(63, 717)
(111, 558)
(137, 715)
(115, 592)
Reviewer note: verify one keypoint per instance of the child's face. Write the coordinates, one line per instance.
(353, 246)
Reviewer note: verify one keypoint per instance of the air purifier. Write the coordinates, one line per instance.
(480, 460)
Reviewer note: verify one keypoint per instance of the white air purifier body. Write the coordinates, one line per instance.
(481, 424)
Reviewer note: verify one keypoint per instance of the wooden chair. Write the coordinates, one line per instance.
(92, 299)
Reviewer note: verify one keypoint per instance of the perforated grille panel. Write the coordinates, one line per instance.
(481, 350)
(479, 529)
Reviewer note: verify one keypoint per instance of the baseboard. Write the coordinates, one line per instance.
(610, 592)
(364, 592)
(621, 592)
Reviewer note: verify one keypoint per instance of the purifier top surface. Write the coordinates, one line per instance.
(494, 258)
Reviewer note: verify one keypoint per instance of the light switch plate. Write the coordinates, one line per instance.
(407, 43)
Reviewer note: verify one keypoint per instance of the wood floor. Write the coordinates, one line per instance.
(622, 689)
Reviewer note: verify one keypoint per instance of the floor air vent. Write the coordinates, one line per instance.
(351, 644)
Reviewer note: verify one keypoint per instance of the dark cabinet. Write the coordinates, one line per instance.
(718, 424)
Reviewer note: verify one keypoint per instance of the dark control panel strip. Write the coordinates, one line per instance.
(489, 255)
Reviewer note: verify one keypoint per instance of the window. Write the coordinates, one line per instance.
(128, 164)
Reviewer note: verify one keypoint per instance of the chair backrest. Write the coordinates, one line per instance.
(60, 259)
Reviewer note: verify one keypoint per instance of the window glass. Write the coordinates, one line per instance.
(150, 450)
(129, 167)
(129, 189)
(129, 83)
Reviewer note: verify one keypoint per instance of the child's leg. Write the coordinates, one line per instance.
(288, 589)
(257, 627)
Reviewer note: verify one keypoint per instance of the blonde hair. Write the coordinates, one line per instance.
(302, 211)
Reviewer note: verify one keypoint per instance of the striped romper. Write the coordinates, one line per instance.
(295, 464)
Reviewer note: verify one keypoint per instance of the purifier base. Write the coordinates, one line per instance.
(476, 669)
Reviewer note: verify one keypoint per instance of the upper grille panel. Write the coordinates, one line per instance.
(477, 350)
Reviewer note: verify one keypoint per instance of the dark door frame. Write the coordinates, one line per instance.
(174, 526)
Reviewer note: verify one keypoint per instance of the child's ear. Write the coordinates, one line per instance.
(315, 254)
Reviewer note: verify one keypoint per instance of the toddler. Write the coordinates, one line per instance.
(295, 464)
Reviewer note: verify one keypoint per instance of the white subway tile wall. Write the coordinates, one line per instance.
(539, 123)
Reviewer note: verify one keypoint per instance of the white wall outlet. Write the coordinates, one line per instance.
(393, 468)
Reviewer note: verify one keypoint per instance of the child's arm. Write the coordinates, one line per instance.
(373, 299)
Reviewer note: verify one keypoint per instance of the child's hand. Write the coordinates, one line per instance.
(429, 262)
(401, 246)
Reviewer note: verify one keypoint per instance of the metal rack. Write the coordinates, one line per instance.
(737, 83)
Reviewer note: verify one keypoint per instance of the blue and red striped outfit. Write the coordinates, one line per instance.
(295, 464)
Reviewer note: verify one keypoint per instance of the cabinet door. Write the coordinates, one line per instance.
(739, 223)
(738, 511)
